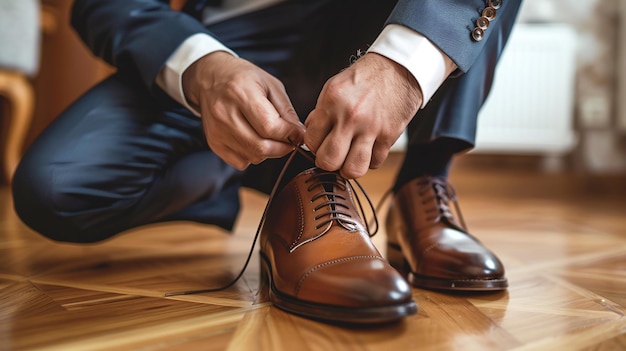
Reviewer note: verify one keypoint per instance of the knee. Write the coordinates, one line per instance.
(29, 192)
(38, 202)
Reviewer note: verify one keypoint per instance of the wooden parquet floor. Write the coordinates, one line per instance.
(563, 243)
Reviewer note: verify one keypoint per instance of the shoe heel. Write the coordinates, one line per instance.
(396, 259)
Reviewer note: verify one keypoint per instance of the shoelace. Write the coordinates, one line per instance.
(335, 201)
(444, 194)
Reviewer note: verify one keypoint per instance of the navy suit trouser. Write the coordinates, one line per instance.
(119, 158)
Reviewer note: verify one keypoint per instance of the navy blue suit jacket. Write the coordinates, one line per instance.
(138, 36)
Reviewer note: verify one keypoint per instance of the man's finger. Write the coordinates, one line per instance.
(267, 122)
(316, 130)
(279, 98)
(281, 102)
(232, 158)
(359, 157)
(332, 154)
(246, 141)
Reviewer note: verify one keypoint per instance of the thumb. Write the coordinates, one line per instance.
(295, 135)
(294, 128)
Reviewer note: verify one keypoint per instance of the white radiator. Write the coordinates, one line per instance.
(531, 106)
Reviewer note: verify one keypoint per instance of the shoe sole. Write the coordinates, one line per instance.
(396, 259)
(330, 313)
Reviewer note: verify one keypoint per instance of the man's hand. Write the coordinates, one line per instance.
(360, 113)
(246, 113)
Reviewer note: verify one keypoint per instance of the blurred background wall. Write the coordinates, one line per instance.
(600, 82)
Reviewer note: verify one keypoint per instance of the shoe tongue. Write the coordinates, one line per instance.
(299, 164)
(328, 182)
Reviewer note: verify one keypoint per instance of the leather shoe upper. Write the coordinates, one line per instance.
(319, 251)
(434, 244)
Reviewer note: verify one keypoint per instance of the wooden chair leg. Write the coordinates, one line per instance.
(19, 93)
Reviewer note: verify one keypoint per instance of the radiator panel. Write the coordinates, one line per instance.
(531, 105)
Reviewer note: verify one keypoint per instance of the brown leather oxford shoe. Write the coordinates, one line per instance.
(426, 242)
(319, 259)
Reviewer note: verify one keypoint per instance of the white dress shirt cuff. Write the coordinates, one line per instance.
(429, 65)
(170, 79)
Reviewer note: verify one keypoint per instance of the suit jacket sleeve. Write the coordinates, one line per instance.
(449, 24)
(135, 36)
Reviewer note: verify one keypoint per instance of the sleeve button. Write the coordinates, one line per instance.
(495, 4)
(489, 13)
(478, 34)
(482, 23)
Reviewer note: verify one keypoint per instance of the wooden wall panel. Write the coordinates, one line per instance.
(67, 68)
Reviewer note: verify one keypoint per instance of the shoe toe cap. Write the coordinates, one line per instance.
(356, 282)
(461, 256)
